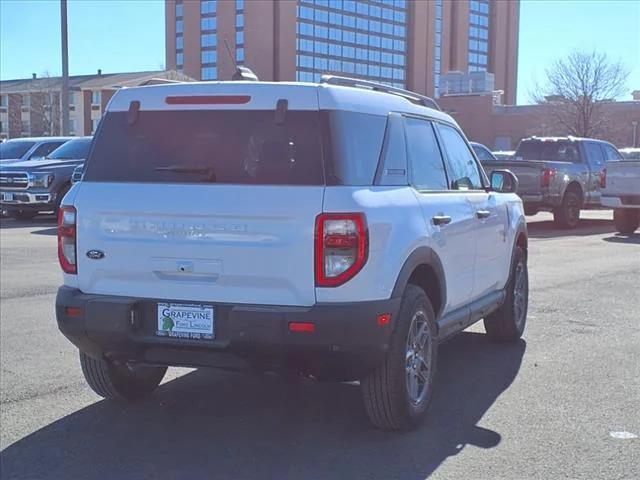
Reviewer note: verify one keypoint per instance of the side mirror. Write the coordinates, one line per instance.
(503, 181)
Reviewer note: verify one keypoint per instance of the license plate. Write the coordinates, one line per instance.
(180, 320)
(7, 197)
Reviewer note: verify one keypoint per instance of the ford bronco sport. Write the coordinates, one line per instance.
(340, 230)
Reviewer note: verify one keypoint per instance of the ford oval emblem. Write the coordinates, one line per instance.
(95, 254)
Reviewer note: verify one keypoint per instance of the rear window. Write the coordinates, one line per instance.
(72, 150)
(208, 146)
(15, 149)
(559, 151)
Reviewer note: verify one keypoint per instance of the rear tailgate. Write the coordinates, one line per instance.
(203, 201)
(623, 178)
(528, 173)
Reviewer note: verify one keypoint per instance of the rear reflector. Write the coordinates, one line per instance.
(384, 319)
(305, 327)
(603, 178)
(547, 176)
(208, 100)
(73, 311)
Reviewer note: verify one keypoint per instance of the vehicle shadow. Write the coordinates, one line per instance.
(586, 227)
(208, 424)
(39, 221)
(634, 238)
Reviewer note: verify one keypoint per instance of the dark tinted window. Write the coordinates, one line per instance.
(554, 150)
(594, 154)
(44, 150)
(14, 149)
(461, 166)
(427, 169)
(72, 150)
(208, 146)
(482, 153)
(611, 153)
(353, 146)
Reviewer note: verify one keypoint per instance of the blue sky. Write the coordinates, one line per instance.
(128, 35)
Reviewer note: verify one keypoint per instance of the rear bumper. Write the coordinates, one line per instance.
(625, 201)
(346, 344)
(542, 200)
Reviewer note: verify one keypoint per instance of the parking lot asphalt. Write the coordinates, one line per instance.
(553, 405)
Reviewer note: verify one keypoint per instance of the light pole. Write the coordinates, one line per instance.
(64, 97)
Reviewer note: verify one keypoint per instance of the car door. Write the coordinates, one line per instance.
(447, 213)
(489, 211)
(595, 159)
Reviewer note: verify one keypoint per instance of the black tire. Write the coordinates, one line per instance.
(120, 382)
(23, 215)
(507, 323)
(386, 390)
(626, 220)
(567, 215)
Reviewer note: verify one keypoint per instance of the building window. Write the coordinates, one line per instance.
(25, 127)
(209, 40)
(208, 6)
(437, 57)
(179, 42)
(332, 34)
(209, 57)
(72, 99)
(94, 125)
(179, 59)
(209, 73)
(179, 26)
(4, 101)
(179, 10)
(240, 32)
(208, 23)
(96, 97)
(26, 100)
(72, 126)
(479, 11)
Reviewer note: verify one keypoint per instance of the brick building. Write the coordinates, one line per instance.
(406, 43)
(31, 107)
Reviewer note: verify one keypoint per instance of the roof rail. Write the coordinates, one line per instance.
(380, 87)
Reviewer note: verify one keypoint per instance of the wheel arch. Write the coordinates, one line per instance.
(424, 269)
(574, 186)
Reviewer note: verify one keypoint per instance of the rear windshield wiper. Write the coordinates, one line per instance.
(190, 169)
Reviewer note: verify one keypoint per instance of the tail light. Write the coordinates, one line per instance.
(67, 218)
(341, 247)
(603, 178)
(548, 174)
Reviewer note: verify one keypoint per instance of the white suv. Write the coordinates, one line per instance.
(340, 230)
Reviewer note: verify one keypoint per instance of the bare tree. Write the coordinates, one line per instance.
(45, 105)
(575, 89)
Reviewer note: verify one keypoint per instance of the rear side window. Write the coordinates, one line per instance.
(353, 144)
(594, 154)
(611, 153)
(208, 146)
(72, 150)
(427, 169)
(462, 167)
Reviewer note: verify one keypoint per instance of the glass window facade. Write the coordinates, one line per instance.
(179, 35)
(239, 32)
(365, 38)
(437, 57)
(209, 39)
(479, 24)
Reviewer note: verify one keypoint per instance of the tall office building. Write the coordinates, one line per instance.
(406, 43)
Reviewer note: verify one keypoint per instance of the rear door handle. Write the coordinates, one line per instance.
(483, 213)
(441, 219)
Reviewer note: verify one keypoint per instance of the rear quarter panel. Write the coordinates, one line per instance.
(396, 228)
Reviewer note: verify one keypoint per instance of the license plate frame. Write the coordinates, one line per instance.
(189, 321)
(8, 197)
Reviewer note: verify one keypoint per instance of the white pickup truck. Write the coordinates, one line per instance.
(621, 191)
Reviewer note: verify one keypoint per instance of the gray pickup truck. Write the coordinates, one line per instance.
(558, 174)
(34, 186)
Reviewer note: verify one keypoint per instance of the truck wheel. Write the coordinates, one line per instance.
(567, 215)
(626, 220)
(397, 394)
(22, 214)
(120, 382)
(507, 323)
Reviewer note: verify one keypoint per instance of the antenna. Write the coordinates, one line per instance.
(241, 73)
